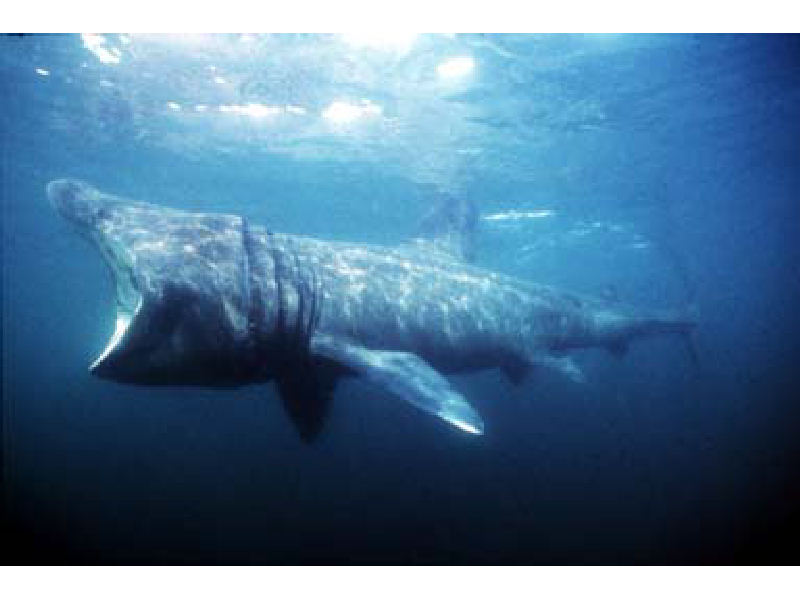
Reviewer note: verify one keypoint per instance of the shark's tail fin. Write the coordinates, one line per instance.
(683, 324)
(680, 322)
(619, 333)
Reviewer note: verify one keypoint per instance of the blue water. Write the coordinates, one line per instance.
(663, 167)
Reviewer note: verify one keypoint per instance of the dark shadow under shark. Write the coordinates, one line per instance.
(208, 299)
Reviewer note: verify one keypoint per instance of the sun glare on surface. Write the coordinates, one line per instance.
(345, 112)
(458, 66)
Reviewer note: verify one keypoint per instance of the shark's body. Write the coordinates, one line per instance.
(213, 300)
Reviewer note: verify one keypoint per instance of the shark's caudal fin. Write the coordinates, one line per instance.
(404, 375)
(449, 226)
(615, 331)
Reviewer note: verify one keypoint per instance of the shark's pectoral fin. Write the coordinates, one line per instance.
(306, 390)
(404, 375)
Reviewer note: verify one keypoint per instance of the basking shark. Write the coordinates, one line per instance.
(213, 300)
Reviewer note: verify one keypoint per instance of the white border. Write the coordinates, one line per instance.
(402, 15)
(400, 583)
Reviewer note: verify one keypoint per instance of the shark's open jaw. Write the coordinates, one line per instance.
(128, 304)
(128, 298)
(83, 207)
(123, 321)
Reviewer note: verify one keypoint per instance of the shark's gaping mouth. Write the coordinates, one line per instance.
(128, 303)
(123, 321)
(86, 210)
(181, 288)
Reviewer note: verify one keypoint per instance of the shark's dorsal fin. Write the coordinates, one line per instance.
(404, 375)
(448, 228)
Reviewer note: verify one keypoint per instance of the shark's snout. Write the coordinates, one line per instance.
(90, 211)
(74, 200)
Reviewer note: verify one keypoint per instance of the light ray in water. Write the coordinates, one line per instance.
(515, 215)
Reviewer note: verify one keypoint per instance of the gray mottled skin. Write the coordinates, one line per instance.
(201, 293)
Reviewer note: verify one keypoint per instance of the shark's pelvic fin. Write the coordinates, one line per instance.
(562, 364)
(404, 375)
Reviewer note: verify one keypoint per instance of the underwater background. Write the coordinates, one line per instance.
(659, 169)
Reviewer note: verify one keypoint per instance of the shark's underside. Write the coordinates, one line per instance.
(210, 299)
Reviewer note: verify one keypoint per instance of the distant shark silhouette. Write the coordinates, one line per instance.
(209, 299)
